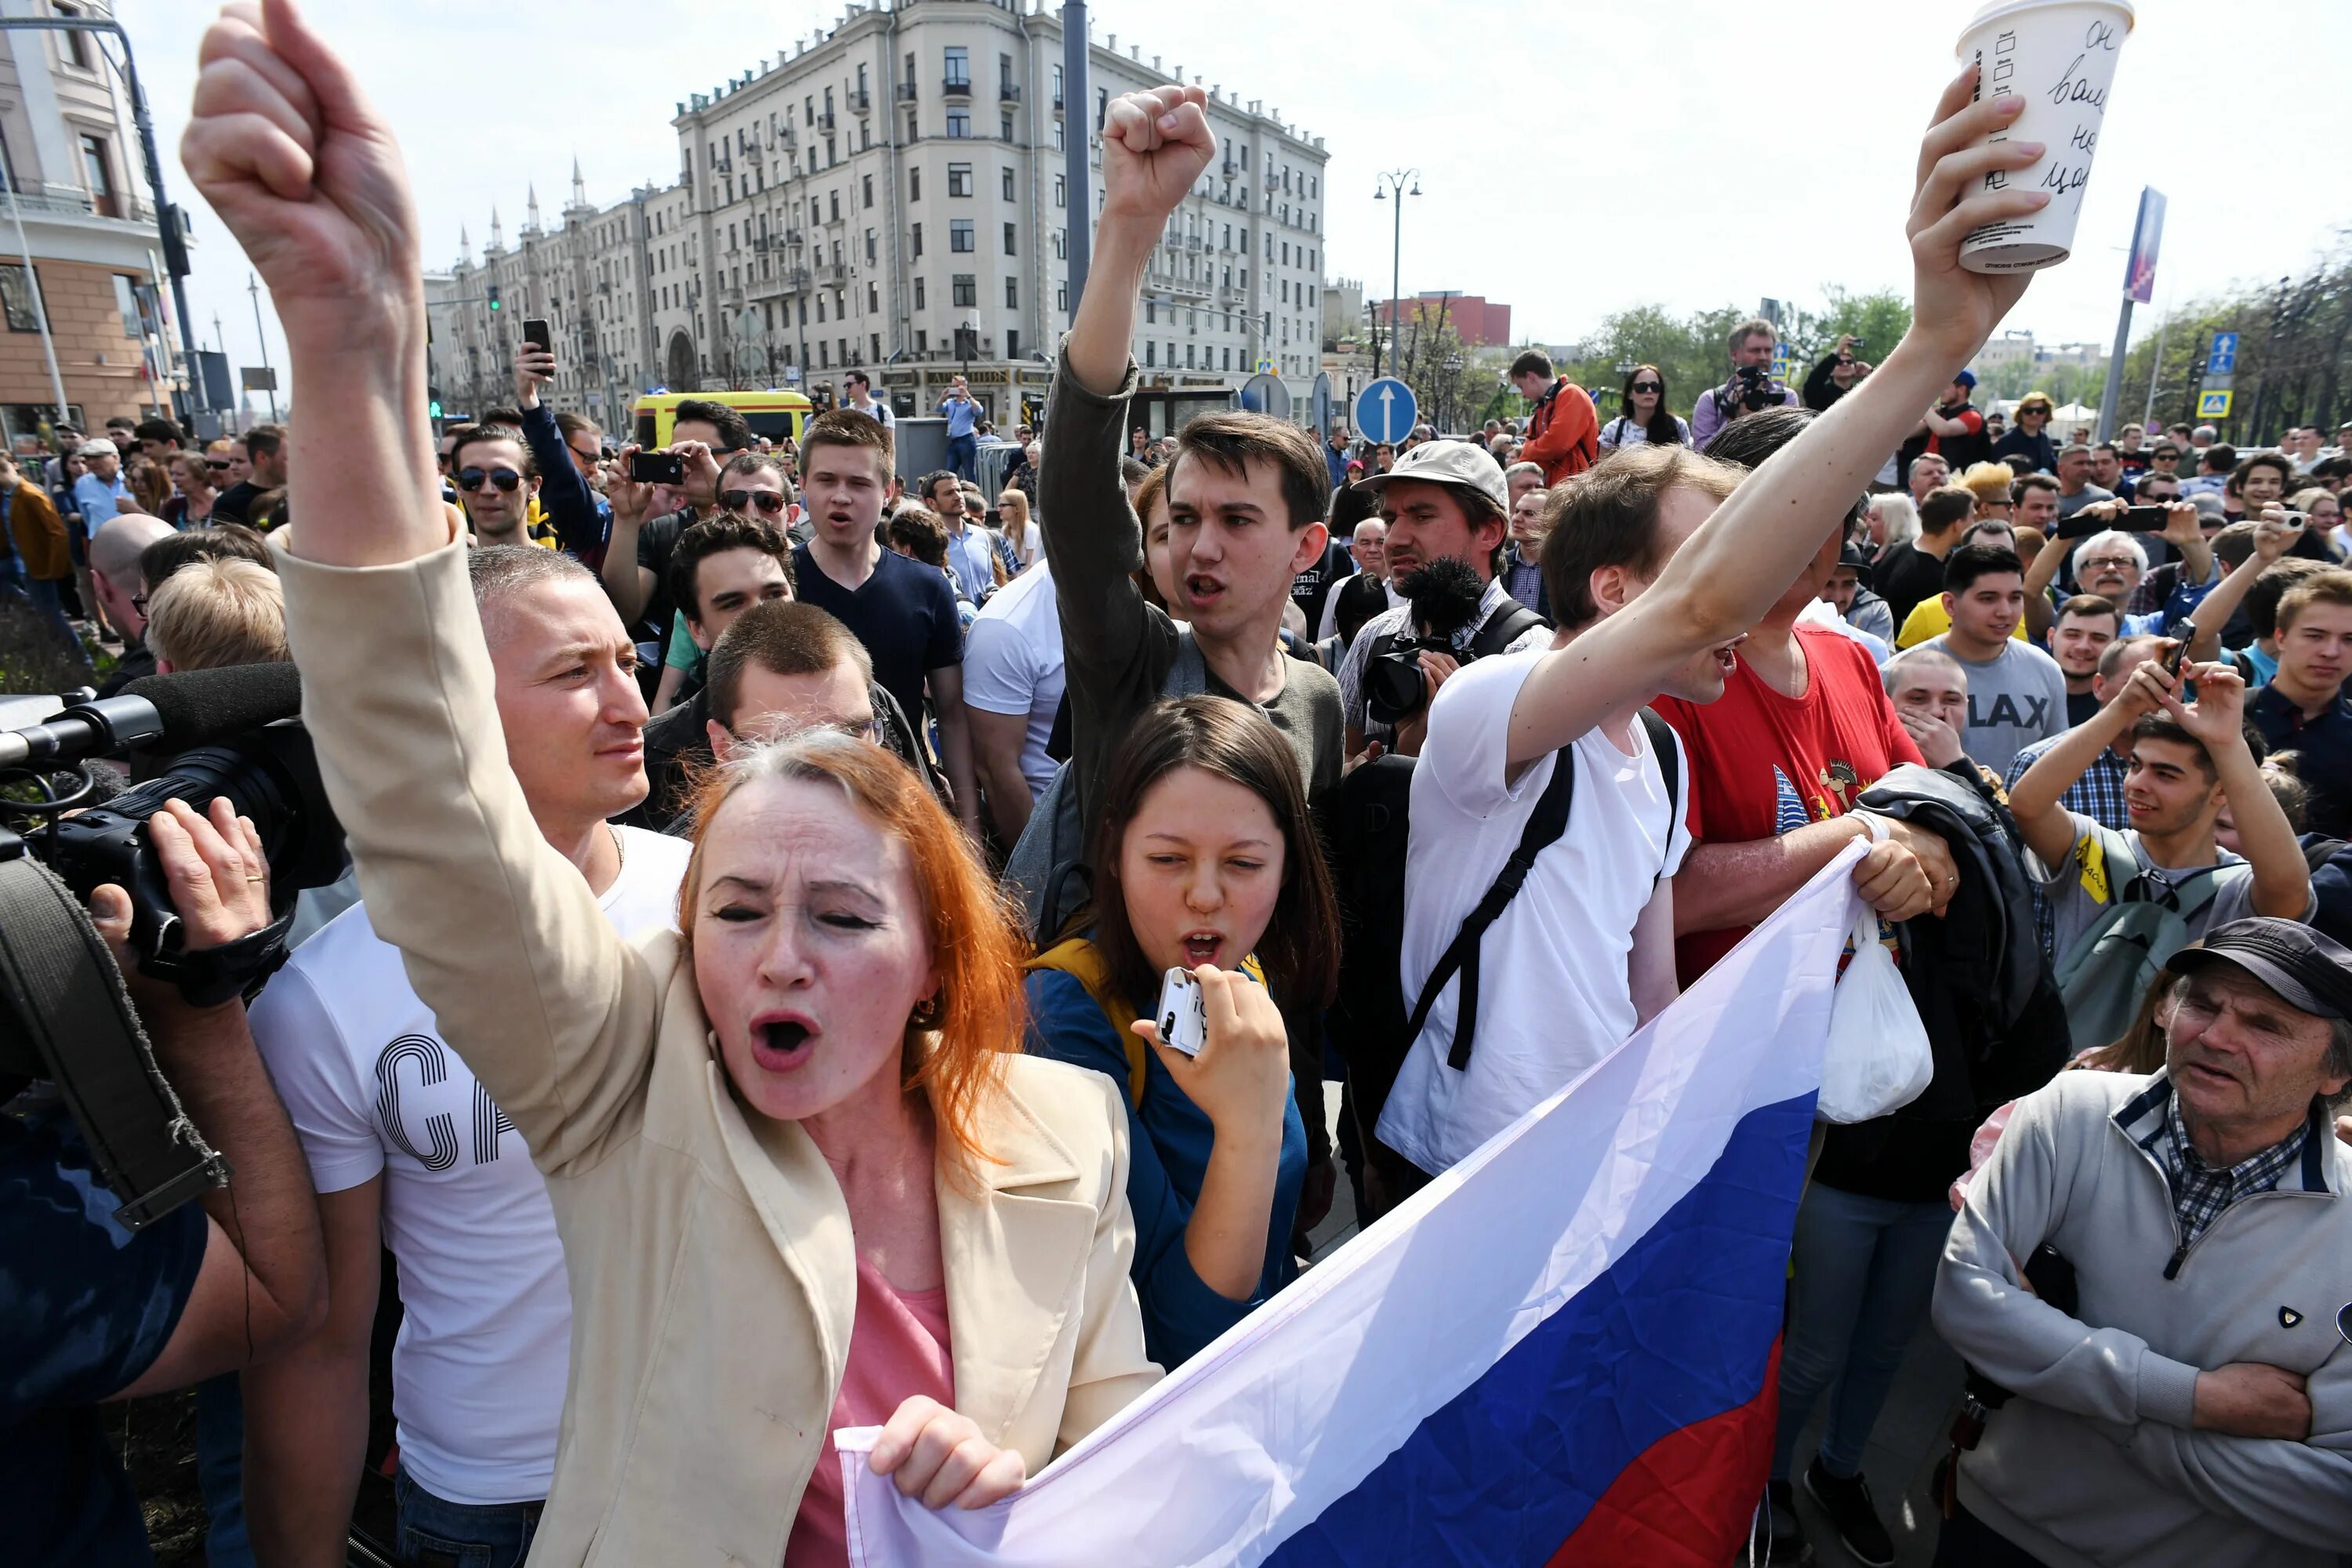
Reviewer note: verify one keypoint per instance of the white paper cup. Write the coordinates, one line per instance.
(2060, 57)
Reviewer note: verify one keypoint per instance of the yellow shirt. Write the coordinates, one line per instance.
(1928, 618)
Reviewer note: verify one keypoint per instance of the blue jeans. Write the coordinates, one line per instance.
(431, 1532)
(963, 457)
(1864, 1274)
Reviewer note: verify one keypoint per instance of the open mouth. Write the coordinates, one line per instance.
(780, 1043)
(1201, 947)
(1726, 655)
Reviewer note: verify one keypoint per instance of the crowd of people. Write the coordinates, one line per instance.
(739, 1022)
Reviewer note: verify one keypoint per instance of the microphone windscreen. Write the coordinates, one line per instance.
(200, 707)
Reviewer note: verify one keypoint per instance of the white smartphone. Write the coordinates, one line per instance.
(1183, 1020)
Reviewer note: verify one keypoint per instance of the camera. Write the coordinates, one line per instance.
(1755, 387)
(65, 1016)
(1444, 596)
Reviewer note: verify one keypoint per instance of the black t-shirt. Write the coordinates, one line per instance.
(231, 504)
(1312, 586)
(85, 1309)
(1908, 575)
(655, 539)
(2081, 708)
(905, 613)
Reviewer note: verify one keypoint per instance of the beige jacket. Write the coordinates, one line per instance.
(713, 1278)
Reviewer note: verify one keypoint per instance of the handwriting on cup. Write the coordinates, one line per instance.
(2070, 169)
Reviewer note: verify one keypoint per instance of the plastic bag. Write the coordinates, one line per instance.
(1878, 1059)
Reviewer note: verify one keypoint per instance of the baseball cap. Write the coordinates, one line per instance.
(101, 447)
(2311, 972)
(1461, 464)
(1966, 378)
(1857, 559)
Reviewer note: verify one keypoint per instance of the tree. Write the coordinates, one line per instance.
(1694, 354)
(2294, 355)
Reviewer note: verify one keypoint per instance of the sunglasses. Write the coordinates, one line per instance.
(217, 465)
(1648, 386)
(766, 500)
(471, 480)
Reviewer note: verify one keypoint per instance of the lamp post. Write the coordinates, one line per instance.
(1393, 183)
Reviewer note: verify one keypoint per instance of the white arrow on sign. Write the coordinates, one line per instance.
(1387, 408)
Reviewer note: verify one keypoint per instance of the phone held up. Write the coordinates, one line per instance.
(535, 333)
(2186, 631)
(656, 468)
(1182, 1017)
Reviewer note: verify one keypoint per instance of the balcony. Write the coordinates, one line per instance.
(1057, 100)
(824, 120)
(832, 274)
(956, 87)
(860, 101)
(906, 93)
(787, 281)
(1008, 92)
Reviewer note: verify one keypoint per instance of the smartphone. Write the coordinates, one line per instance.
(656, 468)
(2144, 519)
(2188, 633)
(535, 333)
(1858, 344)
(1182, 1017)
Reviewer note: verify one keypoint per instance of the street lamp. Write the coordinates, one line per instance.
(1393, 182)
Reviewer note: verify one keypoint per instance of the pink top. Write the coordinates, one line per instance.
(898, 1349)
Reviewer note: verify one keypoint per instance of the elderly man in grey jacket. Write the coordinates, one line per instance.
(2195, 1408)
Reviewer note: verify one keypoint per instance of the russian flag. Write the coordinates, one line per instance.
(1562, 1352)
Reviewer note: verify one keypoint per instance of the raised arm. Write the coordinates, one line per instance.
(1727, 575)
(2047, 829)
(563, 495)
(548, 1006)
(2273, 536)
(2266, 838)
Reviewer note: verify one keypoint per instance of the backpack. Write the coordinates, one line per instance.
(1047, 869)
(2110, 967)
(1082, 961)
(1369, 826)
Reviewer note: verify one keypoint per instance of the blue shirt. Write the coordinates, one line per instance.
(95, 499)
(971, 558)
(1168, 1153)
(963, 415)
(85, 1307)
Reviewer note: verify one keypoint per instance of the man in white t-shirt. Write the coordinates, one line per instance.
(407, 1151)
(1012, 680)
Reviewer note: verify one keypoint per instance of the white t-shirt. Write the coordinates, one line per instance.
(1013, 664)
(477, 1373)
(1554, 997)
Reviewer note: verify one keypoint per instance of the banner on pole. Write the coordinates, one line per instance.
(2147, 234)
(1562, 1350)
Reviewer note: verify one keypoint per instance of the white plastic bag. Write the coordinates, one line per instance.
(1878, 1059)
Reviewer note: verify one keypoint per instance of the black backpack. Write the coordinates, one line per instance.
(1369, 825)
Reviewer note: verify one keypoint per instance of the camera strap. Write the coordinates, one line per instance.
(60, 980)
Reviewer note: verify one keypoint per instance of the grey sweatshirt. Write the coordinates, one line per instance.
(2095, 1461)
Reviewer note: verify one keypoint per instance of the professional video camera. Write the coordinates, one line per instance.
(1444, 596)
(64, 1015)
(1755, 389)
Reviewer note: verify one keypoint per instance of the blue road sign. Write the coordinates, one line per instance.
(2223, 360)
(1385, 410)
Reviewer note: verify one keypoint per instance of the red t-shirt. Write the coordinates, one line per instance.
(1761, 764)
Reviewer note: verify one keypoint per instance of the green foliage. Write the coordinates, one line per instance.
(2295, 356)
(1692, 352)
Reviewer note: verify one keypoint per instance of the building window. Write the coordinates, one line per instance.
(919, 293)
(922, 339)
(919, 239)
(1062, 297)
(77, 49)
(959, 235)
(870, 249)
(833, 205)
(967, 289)
(911, 132)
(1012, 343)
(16, 297)
(1009, 231)
(914, 184)
(1057, 134)
(1061, 245)
(1005, 128)
(99, 172)
(1013, 293)
(126, 304)
(1008, 184)
(959, 124)
(959, 72)
(872, 299)
(958, 179)
(824, 359)
(869, 189)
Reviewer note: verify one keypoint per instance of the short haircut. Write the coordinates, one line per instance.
(2285, 466)
(1609, 517)
(1535, 469)
(714, 535)
(264, 438)
(568, 425)
(1352, 504)
(481, 434)
(498, 573)
(220, 541)
(920, 530)
(1992, 483)
(860, 376)
(2165, 449)
(2260, 603)
(2234, 543)
(929, 484)
(217, 613)
(2087, 606)
(2333, 587)
(1749, 329)
(2035, 481)
(2111, 656)
(2109, 447)
(1233, 441)
(2073, 449)
(2115, 536)
(1534, 361)
(841, 428)
(782, 637)
(1362, 597)
(2220, 458)
(1944, 506)
(1970, 561)
(1912, 658)
(157, 430)
(2165, 727)
(759, 463)
(1133, 472)
(734, 432)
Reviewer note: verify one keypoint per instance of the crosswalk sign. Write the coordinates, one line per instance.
(2213, 405)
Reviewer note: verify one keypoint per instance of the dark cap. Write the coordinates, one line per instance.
(1856, 557)
(2311, 972)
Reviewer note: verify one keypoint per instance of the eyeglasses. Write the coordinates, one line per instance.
(470, 479)
(766, 500)
(1647, 386)
(2120, 563)
(866, 729)
(219, 465)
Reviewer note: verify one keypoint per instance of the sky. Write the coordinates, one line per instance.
(1575, 157)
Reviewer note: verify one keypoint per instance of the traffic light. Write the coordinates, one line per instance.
(434, 411)
(494, 296)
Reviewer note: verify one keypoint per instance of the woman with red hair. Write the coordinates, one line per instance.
(803, 1177)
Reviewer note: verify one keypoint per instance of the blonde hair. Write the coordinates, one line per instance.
(1013, 506)
(1989, 482)
(210, 614)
